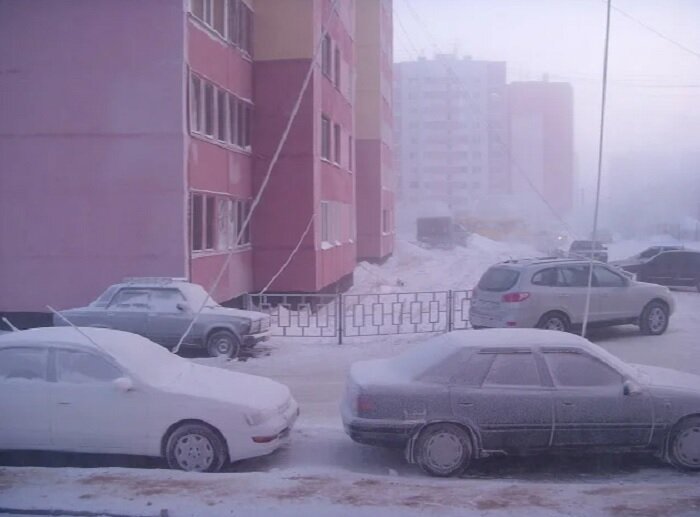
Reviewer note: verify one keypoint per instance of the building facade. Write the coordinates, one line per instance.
(452, 132)
(541, 124)
(376, 184)
(136, 146)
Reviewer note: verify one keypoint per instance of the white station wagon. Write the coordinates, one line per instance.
(105, 391)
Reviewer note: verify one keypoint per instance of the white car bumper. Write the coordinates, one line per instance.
(265, 438)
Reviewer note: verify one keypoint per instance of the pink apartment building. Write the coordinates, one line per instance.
(134, 135)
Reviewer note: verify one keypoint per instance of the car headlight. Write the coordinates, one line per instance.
(256, 417)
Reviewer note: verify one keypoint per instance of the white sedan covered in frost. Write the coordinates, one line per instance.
(105, 391)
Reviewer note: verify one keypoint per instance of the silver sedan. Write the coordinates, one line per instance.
(468, 395)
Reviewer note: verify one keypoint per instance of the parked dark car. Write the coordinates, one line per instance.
(161, 309)
(586, 249)
(645, 255)
(469, 395)
(670, 268)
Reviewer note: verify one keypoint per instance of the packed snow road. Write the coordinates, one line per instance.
(324, 473)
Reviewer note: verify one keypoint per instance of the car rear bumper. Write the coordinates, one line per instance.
(380, 432)
(511, 318)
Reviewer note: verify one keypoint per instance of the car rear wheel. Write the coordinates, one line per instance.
(223, 343)
(654, 319)
(443, 450)
(195, 448)
(554, 321)
(684, 446)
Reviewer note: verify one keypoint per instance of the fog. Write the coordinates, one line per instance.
(653, 115)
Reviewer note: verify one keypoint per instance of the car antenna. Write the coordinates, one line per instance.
(76, 328)
(9, 324)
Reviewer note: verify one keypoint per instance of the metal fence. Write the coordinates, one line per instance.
(353, 315)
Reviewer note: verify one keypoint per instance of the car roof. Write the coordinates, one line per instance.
(526, 262)
(511, 338)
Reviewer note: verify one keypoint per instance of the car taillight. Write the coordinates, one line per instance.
(515, 297)
(365, 405)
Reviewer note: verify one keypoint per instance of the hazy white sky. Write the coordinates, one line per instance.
(654, 86)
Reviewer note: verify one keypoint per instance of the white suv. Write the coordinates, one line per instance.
(551, 294)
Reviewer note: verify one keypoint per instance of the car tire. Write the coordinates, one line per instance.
(443, 450)
(195, 448)
(684, 445)
(554, 321)
(654, 319)
(223, 343)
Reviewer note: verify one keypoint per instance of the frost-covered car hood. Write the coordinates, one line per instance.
(229, 387)
(668, 378)
(236, 313)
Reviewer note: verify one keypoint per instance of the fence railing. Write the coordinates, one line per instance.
(354, 315)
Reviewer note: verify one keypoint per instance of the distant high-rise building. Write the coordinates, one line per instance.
(451, 130)
(541, 136)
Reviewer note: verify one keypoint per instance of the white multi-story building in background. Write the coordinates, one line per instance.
(451, 128)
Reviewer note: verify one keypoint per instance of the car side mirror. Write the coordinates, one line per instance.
(124, 384)
(182, 307)
(631, 388)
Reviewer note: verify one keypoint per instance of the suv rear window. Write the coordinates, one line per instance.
(498, 279)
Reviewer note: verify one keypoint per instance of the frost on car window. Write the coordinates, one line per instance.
(130, 298)
(23, 363)
(513, 370)
(166, 300)
(472, 372)
(84, 368)
(498, 279)
(572, 369)
(575, 276)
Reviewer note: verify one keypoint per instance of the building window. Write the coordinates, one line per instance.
(216, 221)
(245, 17)
(209, 231)
(337, 68)
(209, 109)
(325, 222)
(336, 143)
(196, 218)
(325, 138)
(327, 56)
(386, 220)
(350, 154)
(232, 21)
(219, 17)
(221, 112)
(196, 104)
(232, 119)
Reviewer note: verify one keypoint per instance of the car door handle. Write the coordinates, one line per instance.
(466, 404)
(567, 404)
(62, 403)
(563, 296)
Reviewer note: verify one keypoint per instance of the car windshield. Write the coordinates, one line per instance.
(498, 279)
(587, 245)
(104, 298)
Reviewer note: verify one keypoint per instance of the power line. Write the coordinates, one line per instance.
(606, 52)
(268, 173)
(659, 34)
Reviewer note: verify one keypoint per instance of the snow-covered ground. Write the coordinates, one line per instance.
(324, 473)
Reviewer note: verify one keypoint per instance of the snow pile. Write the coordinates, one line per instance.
(413, 268)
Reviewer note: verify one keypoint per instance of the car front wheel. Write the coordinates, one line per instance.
(684, 446)
(443, 450)
(223, 343)
(654, 319)
(195, 448)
